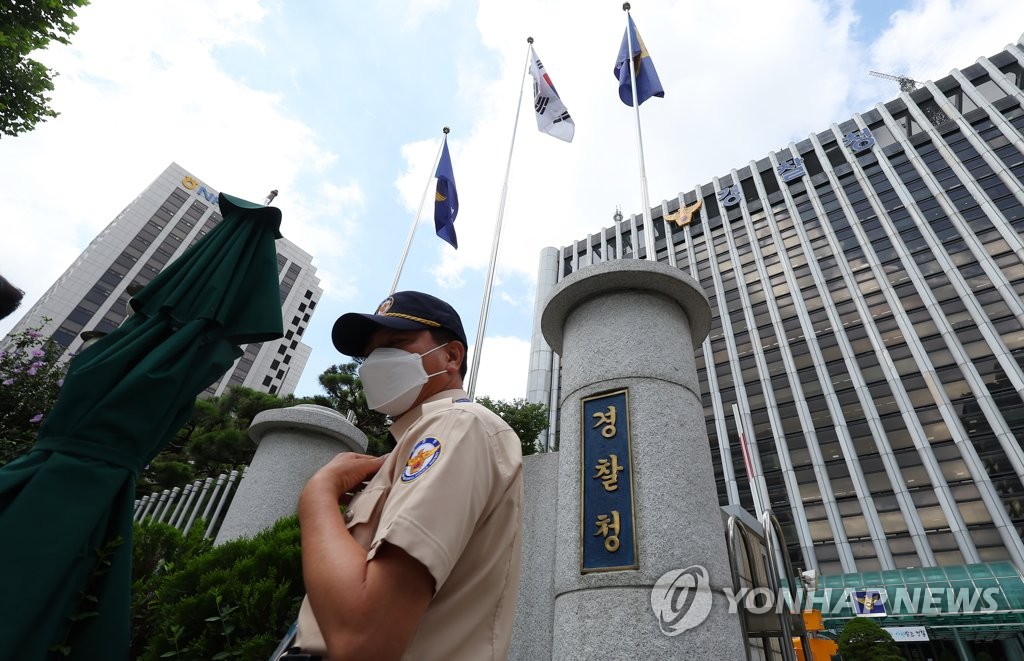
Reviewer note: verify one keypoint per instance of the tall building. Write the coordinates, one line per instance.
(866, 289)
(160, 224)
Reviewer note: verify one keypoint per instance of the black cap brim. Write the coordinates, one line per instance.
(352, 331)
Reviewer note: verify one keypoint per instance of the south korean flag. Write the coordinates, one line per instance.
(552, 117)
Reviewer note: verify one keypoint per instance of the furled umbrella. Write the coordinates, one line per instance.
(66, 505)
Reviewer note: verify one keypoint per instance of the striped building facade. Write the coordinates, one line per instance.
(867, 293)
(159, 225)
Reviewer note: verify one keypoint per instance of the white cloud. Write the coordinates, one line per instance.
(735, 90)
(730, 96)
(134, 92)
(327, 223)
(928, 40)
(416, 10)
(502, 372)
(146, 83)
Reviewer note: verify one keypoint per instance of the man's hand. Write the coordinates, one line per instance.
(365, 609)
(343, 474)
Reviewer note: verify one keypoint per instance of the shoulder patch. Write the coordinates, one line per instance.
(424, 455)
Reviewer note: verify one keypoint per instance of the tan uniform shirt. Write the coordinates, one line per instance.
(450, 495)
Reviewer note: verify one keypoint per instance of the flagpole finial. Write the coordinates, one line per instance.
(625, 6)
(446, 130)
(529, 40)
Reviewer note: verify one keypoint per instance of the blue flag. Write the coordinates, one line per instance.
(647, 83)
(446, 200)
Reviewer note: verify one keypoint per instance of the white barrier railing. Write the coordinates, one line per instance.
(181, 506)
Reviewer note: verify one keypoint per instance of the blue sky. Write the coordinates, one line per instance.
(339, 106)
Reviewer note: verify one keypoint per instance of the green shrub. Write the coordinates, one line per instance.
(233, 600)
(157, 551)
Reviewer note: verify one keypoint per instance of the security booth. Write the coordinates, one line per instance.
(769, 595)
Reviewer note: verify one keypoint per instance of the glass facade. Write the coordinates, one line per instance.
(867, 324)
(984, 599)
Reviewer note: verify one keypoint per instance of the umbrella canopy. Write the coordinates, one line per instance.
(66, 506)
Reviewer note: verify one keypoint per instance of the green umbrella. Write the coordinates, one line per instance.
(66, 506)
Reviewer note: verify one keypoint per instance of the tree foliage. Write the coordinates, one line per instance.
(862, 639)
(526, 419)
(215, 439)
(27, 26)
(30, 380)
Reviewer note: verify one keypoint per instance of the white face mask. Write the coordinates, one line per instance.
(392, 379)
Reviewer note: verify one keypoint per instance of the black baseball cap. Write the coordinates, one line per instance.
(403, 310)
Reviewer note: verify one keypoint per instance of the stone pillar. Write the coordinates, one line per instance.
(532, 631)
(636, 324)
(293, 444)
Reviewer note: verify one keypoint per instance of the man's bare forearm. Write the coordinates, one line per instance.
(364, 609)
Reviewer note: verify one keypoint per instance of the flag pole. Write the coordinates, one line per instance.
(753, 479)
(482, 325)
(416, 220)
(648, 223)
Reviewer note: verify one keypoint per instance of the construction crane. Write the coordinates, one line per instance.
(907, 84)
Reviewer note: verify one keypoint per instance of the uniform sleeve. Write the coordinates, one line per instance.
(446, 485)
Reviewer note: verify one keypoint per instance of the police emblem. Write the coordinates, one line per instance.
(424, 455)
(385, 305)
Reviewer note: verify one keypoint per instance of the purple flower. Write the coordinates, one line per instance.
(8, 382)
(60, 383)
(31, 371)
(36, 418)
(34, 334)
(37, 353)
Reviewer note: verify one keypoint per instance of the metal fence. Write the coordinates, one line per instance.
(180, 507)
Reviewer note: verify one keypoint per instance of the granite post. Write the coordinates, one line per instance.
(634, 325)
(292, 444)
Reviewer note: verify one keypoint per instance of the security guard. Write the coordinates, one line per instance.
(424, 564)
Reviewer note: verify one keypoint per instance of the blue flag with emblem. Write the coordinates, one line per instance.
(647, 82)
(446, 200)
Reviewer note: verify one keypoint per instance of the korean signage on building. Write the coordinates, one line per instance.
(608, 536)
(908, 634)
